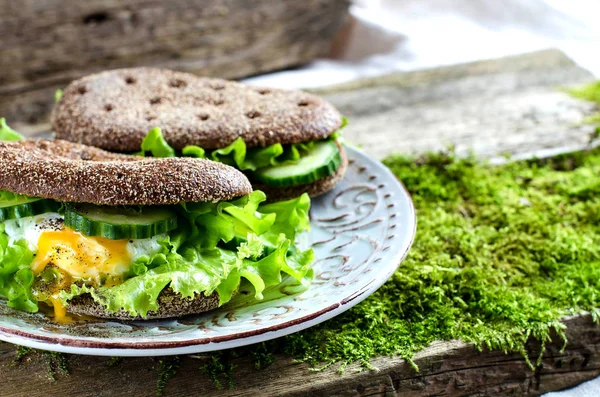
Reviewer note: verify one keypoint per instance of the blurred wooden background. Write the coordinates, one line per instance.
(46, 44)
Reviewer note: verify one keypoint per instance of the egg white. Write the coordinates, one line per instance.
(30, 229)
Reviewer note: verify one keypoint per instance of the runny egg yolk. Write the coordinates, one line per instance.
(60, 311)
(80, 257)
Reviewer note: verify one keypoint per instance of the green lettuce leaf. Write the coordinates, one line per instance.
(7, 197)
(194, 151)
(235, 154)
(168, 254)
(7, 133)
(238, 155)
(210, 223)
(155, 143)
(337, 135)
(291, 216)
(16, 277)
(194, 261)
(207, 271)
(138, 295)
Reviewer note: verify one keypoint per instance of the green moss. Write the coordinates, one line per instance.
(593, 119)
(219, 368)
(167, 368)
(589, 92)
(57, 363)
(114, 361)
(22, 352)
(596, 133)
(501, 254)
(58, 95)
(262, 356)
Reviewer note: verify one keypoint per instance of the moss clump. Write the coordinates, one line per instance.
(501, 254)
(262, 356)
(219, 368)
(167, 368)
(57, 363)
(114, 361)
(590, 92)
(22, 353)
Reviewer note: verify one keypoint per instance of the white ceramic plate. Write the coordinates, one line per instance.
(361, 231)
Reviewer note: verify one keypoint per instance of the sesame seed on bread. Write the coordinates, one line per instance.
(114, 110)
(170, 305)
(70, 172)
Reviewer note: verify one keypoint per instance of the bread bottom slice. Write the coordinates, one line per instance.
(170, 304)
(313, 189)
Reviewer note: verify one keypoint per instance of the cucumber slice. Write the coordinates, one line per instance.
(321, 161)
(23, 207)
(117, 223)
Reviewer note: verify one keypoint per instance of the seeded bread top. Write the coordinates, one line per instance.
(70, 172)
(114, 110)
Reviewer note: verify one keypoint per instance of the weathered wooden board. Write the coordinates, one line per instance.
(512, 105)
(445, 368)
(46, 44)
(522, 113)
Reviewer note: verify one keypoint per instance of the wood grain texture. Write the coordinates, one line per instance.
(522, 113)
(445, 368)
(45, 45)
(512, 105)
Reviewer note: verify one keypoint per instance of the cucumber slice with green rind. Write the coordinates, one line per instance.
(321, 161)
(25, 207)
(118, 223)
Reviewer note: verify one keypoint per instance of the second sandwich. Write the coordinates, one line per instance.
(286, 142)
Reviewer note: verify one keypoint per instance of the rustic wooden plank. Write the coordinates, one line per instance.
(420, 108)
(512, 105)
(44, 45)
(452, 368)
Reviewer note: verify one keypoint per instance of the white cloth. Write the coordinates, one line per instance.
(587, 389)
(396, 35)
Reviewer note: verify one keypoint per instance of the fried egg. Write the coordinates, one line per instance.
(78, 255)
(75, 255)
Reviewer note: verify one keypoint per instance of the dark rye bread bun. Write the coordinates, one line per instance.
(313, 189)
(69, 172)
(170, 305)
(114, 110)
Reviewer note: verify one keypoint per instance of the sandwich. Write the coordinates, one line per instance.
(108, 235)
(286, 142)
